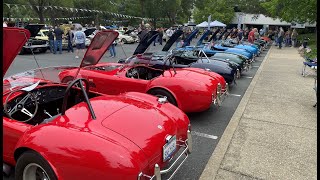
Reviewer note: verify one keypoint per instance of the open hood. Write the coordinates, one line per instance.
(128, 32)
(214, 35)
(172, 39)
(34, 29)
(89, 31)
(145, 42)
(99, 45)
(205, 34)
(224, 32)
(187, 41)
(13, 40)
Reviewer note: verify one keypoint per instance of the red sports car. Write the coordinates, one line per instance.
(191, 89)
(55, 131)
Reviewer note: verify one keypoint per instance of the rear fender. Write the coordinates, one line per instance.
(184, 90)
(73, 152)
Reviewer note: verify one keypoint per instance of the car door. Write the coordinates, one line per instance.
(110, 82)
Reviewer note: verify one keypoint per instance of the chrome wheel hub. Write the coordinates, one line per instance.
(34, 171)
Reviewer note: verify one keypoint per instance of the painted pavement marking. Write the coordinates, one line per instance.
(204, 135)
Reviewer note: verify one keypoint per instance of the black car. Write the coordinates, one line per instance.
(34, 44)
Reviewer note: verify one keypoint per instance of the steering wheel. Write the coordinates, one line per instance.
(133, 73)
(67, 92)
(20, 106)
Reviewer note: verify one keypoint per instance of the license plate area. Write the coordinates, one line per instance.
(169, 148)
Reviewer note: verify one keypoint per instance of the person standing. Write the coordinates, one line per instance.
(156, 39)
(276, 39)
(280, 37)
(112, 49)
(51, 40)
(58, 33)
(142, 33)
(160, 35)
(79, 39)
(294, 36)
(288, 38)
(256, 34)
(169, 33)
(70, 40)
(251, 36)
(239, 36)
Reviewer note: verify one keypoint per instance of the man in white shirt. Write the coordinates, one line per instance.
(169, 33)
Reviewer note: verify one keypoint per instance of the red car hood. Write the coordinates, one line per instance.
(99, 45)
(13, 41)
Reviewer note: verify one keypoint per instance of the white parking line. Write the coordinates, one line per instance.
(255, 66)
(238, 95)
(248, 77)
(204, 135)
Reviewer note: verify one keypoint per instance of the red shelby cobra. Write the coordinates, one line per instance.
(191, 89)
(55, 131)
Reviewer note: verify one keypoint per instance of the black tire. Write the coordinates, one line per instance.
(161, 92)
(29, 157)
(123, 40)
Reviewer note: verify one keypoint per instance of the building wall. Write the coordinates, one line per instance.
(260, 19)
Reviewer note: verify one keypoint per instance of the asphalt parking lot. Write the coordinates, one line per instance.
(207, 127)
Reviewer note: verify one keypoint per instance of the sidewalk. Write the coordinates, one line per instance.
(272, 134)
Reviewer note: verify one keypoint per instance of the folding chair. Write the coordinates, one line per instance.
(315, 88)
(309, 66)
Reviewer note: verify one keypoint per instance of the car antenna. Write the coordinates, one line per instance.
(34, 57)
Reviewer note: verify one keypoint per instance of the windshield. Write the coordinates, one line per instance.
(45, 32)
(45, 75)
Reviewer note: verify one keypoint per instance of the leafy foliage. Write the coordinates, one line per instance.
(218, 9)
(292, 10)
(176, 11)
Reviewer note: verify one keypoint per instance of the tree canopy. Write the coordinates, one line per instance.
(292, 10)
(162, 11)
(158, 12)
(218, 9)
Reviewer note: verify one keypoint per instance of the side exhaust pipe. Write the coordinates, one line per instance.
(6, 169)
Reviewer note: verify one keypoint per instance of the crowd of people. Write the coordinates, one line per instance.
(287, 38)
(76, 36)
(56, 36)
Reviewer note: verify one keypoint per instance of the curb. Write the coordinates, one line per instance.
(213, 165)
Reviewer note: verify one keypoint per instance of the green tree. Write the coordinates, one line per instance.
(248, 6)
(38, 6)
(218, 9)
(292, 10)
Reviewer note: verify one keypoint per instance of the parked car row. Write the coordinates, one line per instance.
(67, 122)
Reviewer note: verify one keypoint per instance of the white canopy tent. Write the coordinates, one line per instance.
(203, 24)
(217, 24)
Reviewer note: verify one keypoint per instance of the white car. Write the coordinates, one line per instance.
(125, 38)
